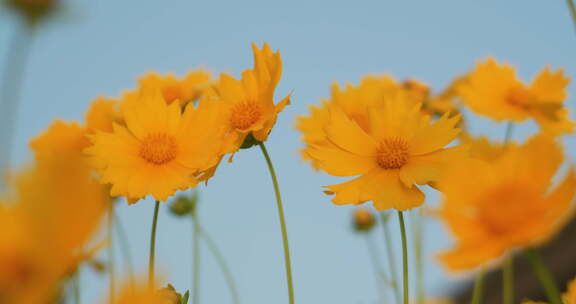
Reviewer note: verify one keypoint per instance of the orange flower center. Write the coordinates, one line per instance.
(158, 149)
(245, 114)
(519, 97)
(509, 208)
(392, 153)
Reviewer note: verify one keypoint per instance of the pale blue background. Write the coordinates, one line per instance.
(100, 47)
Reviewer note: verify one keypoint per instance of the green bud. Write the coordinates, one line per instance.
(184, 205)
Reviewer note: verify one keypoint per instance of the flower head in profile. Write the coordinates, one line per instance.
(493, 90)
(159, 149)
(142, 294)
(495, 206)
(249, 103)
(389, 149)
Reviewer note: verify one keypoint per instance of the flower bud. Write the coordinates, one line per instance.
(169, 295)
(363, 219)
(33, 10)
(184, 205)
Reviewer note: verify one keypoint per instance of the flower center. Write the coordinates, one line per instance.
(508, 209)
(519, 97)
(158, 149)
(245, 114)
(392, 153)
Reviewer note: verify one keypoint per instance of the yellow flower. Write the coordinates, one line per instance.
(248, 103)
(186, 89)
(355, 101)
(391, 147)
(60, 140)
(569, 297)
(484, 149)
(102, 114)
(493, 90)
(48, 216)
(140, 294)
(160, 148)
(494, 206)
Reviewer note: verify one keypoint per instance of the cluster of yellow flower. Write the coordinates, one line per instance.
(169, 134)
(392, 137)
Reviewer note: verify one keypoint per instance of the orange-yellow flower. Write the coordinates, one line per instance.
(48, 216)
(495, 206)
(390, 147)
(142, 294)
(102, 114)
(355, 101)
(493, 90)
(160, 148)
(186, 89)
(248, 103)
(569, 297)
(60, 140)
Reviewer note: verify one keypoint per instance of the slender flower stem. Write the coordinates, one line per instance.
(111, 266)
(282, 223)
(404, 256)
(418, 257)
(478, 287)
(390, 256)
(572, 8)
(508, 134)
(151, 268)
(508, 281)
(544, 276)
(196, 250)
(223, 265)
(125, 248)
(380, 275)
(11, 88)
(77, 286)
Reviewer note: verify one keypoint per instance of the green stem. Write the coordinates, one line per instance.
(111, 269)
(508, 281)
(380, 275)
(125, 248)
(77, 286)
(572, 8)
(404, 257)
(287, 262)
(223, 265)
(151, 269)
(544, 276)
(508, 133)
(196, 263)
(478, 287)
(418, 256)
(391, 259)
(17, 57)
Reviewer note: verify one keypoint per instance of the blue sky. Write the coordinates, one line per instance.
(100, 47)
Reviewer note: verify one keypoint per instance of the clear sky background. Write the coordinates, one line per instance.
(100, 47)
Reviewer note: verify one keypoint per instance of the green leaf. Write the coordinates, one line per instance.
(184, 298)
